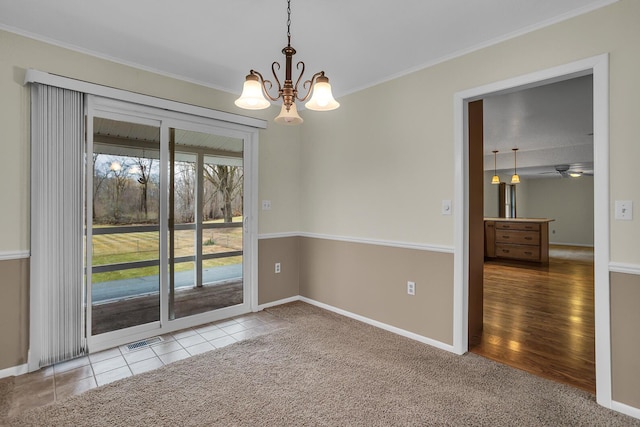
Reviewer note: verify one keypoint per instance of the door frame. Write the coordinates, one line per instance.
(125, 110)
(598, 66)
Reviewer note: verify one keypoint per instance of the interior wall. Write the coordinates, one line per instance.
(371, 281)
(14, 318)
(279, 153)
(569, 201)
(378, 172)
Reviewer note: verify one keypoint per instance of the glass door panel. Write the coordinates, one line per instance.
(124, 258)
(214, 261)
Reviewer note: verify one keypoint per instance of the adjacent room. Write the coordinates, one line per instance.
(220, 213)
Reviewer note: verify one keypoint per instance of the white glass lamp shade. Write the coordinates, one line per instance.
(252, 97)
(515, 179)
(495, 179)
(290, 117)
(322, 98)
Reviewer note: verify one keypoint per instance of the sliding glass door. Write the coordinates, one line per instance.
(166, 225)
(206, 182)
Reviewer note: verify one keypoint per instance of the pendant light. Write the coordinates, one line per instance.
(515, 179)
(256, 87)
(496, 178)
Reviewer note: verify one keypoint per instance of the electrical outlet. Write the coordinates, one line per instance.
(411, 288)
(266, 205)
(277, 269)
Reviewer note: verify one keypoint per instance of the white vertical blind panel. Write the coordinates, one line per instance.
(57, 176)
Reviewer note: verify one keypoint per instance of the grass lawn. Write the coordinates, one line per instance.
(130, 247)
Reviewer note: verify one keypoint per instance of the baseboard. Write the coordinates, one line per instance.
(625, 409)
(377, 324)
(278, 302)
(14, 371)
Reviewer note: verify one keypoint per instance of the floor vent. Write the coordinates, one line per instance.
(143, 343)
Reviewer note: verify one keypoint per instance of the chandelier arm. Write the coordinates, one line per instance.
(299, 78)
(264, 84)
(310, 84)
(275, 76)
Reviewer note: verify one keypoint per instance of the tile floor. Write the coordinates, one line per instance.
(84, 373)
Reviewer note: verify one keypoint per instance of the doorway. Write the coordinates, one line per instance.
(598, 66)
(166, 234)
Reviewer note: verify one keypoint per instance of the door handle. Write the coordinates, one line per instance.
(245, 224)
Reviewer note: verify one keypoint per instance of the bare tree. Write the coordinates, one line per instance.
(99, 177)
(228, 181)
(143, 168)
(119, 171)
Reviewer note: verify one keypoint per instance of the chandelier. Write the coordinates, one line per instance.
(256, 87)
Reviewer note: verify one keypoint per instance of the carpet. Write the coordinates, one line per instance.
(328, 370)
(6, 387)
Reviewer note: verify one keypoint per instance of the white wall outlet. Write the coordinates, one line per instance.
(266, 205)
(446, 207)
(277, 269)
(411, 288)
(624, 210)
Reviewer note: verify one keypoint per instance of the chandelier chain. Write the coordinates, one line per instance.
(289, 22)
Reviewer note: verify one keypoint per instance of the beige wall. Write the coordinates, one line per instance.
(371, 281)
(14, 312)
(274, 286)
(625, 318)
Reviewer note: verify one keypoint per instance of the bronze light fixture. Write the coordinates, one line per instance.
(256, 87)
(496, 178)
(515, 179)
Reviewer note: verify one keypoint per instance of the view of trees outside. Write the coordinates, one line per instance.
(126, 192)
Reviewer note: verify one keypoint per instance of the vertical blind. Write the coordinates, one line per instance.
(57, 225)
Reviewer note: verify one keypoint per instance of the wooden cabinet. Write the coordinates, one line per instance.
(521, 239)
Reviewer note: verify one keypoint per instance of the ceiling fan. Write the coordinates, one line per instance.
(565, 172)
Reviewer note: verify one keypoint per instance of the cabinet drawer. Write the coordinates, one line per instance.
(528, 253)
(518, 237)
(524, 226)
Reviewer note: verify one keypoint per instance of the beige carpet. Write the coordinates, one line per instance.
(6, 388)
(328, 370)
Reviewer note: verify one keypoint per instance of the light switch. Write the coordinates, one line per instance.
(624, 210)
(446, 207)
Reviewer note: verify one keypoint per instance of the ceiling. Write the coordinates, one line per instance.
(358, 43)
(551, 125)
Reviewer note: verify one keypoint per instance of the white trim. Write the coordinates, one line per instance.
(598, 66)
(14, 371)
(349, 239)
(625, 409)
(621, 267)
(35, 76)
(378, 242)
(278, 302)
(278, 235)
(10, 255)
(386, 327)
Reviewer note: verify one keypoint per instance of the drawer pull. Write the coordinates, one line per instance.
(505, 237)
(506, 251)
(528, 253)
(528, 238)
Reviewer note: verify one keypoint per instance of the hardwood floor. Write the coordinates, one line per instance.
(541, 318)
